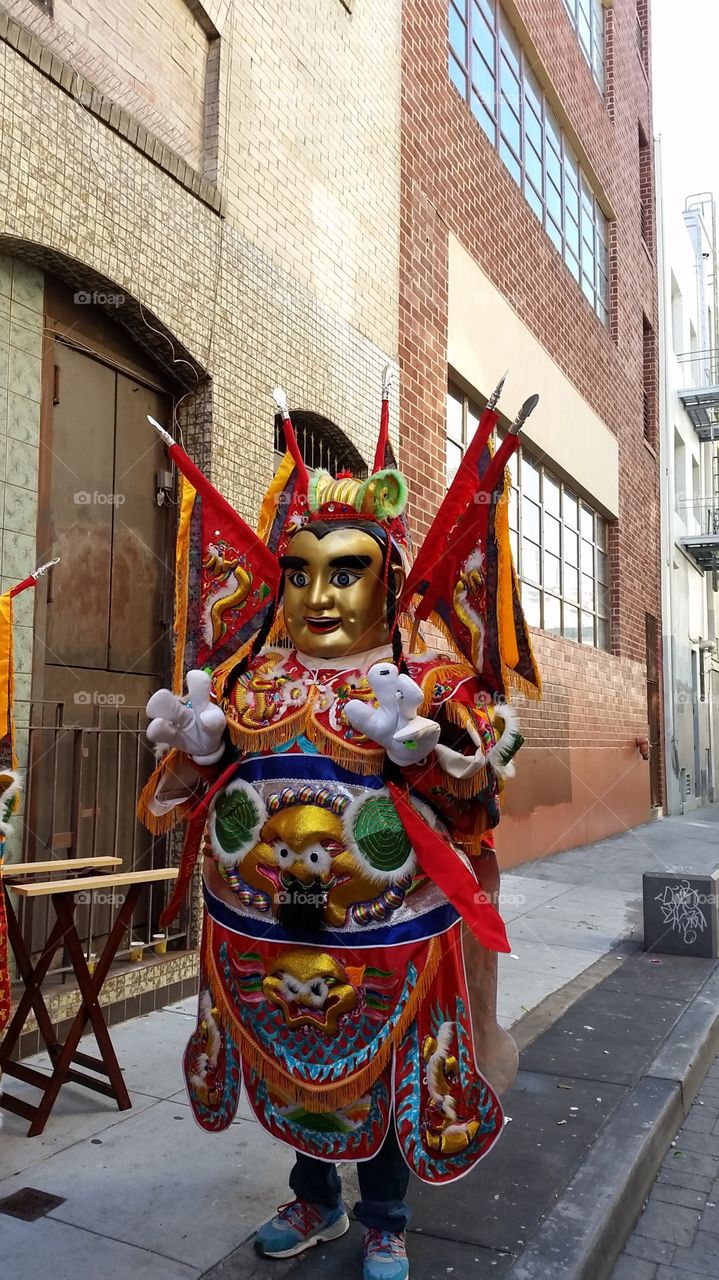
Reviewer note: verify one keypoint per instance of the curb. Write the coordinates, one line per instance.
(582, 1236)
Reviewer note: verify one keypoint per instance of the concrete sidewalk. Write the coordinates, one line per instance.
(147, 1193)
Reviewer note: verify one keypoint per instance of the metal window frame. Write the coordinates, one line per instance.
(598, 522)
(594, 56)
(596, 291)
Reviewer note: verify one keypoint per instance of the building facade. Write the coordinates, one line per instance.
(202, 199)
(528, 241)
(690, 496)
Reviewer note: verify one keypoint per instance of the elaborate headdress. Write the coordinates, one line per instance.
(463, 580)
(296, 497)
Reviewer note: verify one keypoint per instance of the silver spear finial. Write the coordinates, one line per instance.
(164, 435)
(280, 398)
(387, 380)
(43, 568)
(491, 403)
(528, 407)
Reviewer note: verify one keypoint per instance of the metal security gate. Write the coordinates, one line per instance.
(82, 783)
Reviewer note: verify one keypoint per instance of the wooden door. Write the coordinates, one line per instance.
(107, 618)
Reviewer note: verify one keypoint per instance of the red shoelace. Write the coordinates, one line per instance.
(301, 1215)
(384, 1244)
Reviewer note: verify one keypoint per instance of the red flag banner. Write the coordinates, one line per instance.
(226, 577)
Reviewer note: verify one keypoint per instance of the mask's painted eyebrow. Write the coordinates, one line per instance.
(292, 562)
(351, 562)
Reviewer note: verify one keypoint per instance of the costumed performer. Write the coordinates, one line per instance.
(344, 795)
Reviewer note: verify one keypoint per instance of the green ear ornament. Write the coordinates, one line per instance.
(384, 493)
(378, 840)
(236, 819)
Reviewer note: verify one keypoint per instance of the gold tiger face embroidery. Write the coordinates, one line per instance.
(313, 988)
(306, 844)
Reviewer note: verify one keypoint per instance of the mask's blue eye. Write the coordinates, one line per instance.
(343, 578)
(299, 578)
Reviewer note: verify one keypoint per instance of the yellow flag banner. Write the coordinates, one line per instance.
(7, 761)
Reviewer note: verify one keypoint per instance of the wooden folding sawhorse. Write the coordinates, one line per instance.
(65, 1058)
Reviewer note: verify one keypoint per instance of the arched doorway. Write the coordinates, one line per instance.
(102, 626)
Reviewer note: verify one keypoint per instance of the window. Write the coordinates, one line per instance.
(559, 543)
(587, 18)
(649, 375)
(643, 33)
(462, 420)
(322, 444)
(680, 475)
(677, 317)
(646, 221)
(489, 68)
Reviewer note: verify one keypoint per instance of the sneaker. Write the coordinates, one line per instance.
(299, 1225)
(385, 1255)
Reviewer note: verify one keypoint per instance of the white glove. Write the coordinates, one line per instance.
(406, 737)
(457, 765)
(194, 725)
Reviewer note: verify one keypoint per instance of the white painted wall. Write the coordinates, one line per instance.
(688, 600)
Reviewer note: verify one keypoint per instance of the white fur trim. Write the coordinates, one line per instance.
(14, 789)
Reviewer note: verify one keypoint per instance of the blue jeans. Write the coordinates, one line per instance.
(383, 1185)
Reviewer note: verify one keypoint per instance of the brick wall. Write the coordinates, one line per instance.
(150, 58)
(311, 172)
(579, 776)
(298, 282)
(454, 181)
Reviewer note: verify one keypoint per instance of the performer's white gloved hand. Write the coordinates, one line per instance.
(194, 725)
(406, 737)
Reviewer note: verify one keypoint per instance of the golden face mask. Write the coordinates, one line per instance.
(335, 600)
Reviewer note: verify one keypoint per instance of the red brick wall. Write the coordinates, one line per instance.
(580, 776)
(453, 181)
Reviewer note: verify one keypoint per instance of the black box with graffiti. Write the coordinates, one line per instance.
(681, 913)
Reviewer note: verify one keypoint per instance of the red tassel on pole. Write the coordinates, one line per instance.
(380, 453)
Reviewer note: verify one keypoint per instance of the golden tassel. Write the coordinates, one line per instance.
(366, 760)
(267, 737)
(182, 567)
(160, 824)
(456, 672)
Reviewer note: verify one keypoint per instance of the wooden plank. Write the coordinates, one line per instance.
(88, 883)
(57, 864)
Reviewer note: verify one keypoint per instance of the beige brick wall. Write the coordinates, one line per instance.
(150, 56)
(300, 125)
(299, 282)
(310, 147)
